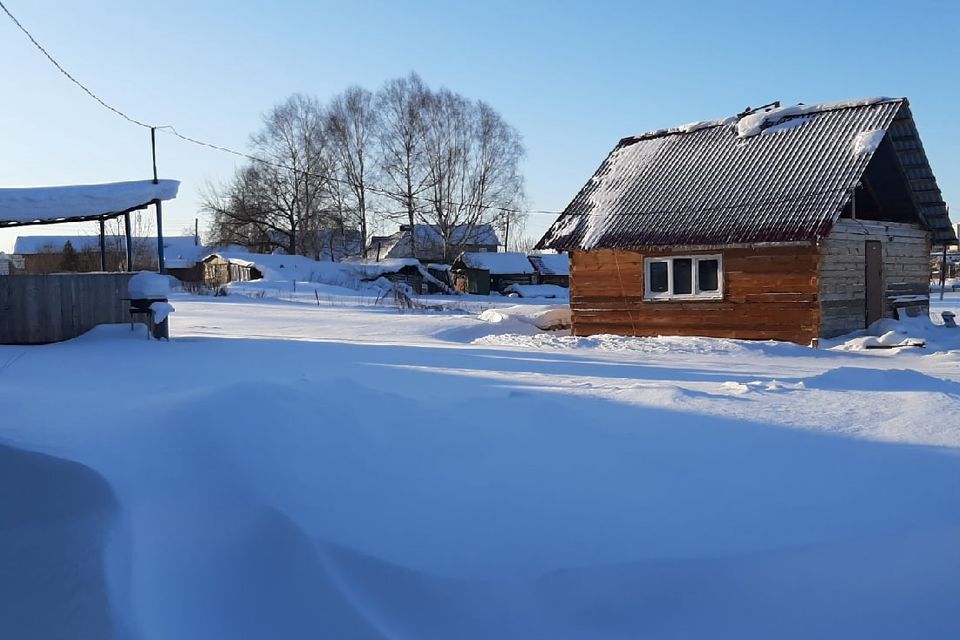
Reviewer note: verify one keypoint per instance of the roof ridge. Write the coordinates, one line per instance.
(762, 117)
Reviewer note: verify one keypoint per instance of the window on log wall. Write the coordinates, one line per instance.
(683, 277)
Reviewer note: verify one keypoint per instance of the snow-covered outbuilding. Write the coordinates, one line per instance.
(483, 272)
(786, 223)
(552, 268)
(220, 269)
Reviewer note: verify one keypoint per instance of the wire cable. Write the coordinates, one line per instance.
(170, 129)
(67, 73)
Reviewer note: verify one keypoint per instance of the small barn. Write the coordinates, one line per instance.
(552, 268)
(785, 223)
(222, 269)
(483, 272)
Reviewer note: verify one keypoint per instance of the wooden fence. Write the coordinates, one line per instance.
(38, 309)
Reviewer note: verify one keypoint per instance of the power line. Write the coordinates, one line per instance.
(67, 74)
(172, 131)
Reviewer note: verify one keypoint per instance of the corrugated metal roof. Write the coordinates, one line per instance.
(705, 185)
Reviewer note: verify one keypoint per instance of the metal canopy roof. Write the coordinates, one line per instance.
(704, 185)
(79, 203)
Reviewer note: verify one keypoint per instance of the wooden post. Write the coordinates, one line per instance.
(506, 235)
(103, 247)
(126, 228)
(161, 265)
(153, 151)
(943, 270)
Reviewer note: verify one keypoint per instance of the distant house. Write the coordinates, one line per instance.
(222, 269)
(481, 273)
(324, 245)
(781, 223)
(10, 264)
(552, 268)
(427, 242)
(44, 254)
(333, 245)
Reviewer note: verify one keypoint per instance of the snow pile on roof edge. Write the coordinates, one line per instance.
(752, 124)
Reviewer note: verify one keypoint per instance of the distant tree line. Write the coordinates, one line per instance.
(364, 161)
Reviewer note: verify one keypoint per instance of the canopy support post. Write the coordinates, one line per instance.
(943, 269)
(103, 247)
(161, 263)
(129, 243)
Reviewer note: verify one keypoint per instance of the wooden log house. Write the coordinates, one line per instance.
(781, 223)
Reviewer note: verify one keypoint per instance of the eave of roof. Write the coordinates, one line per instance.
(80, 203)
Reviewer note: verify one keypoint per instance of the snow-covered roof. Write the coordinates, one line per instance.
(429, 240)
(780, 174)
(551, 264)
(497, 263)
(35, 205)
(239, 258)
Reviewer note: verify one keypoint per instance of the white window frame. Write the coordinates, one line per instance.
(696, 293)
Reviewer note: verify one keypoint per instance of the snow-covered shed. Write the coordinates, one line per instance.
(220, 269)
(786, 223)
(483, 272)
(552, 268)
(425, 242)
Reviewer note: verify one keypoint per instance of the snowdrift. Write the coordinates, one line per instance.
(289, 509)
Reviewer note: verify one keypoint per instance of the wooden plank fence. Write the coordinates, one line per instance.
(39, 309)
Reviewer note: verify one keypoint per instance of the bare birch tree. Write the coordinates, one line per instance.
(400, 104)
(270, 202)
(351, 123)
(438, 157)
(472, 159)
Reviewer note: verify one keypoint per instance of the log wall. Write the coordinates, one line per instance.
(906, 270)
(770, 293)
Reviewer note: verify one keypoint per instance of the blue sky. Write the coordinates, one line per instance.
(572, 77)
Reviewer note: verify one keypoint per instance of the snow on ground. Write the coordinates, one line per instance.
(286, 469)
(539, 291)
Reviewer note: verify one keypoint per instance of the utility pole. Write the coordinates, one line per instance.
(161, 263)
